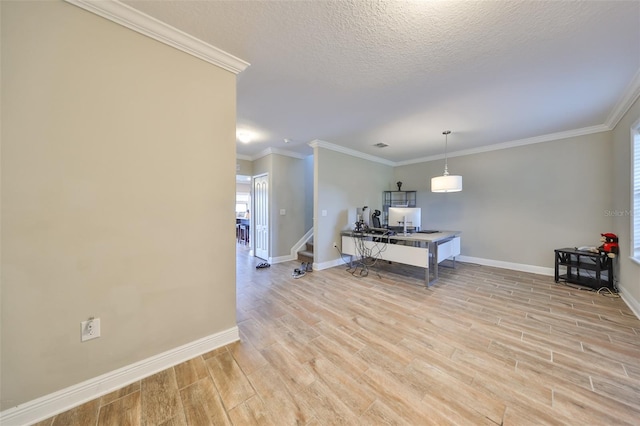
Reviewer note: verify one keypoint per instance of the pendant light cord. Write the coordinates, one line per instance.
(446, 142)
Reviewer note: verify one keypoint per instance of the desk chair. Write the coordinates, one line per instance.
(375, 221)
(244, 233)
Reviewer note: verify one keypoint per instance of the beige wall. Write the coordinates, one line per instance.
(288, 183)
(343, 182)
(519, 204)
(118, 165)
(243, 187)
(244, 167)
(629, 271)
(308, 192)
(288, 194)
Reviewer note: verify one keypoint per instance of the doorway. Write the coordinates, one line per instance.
(260, 217)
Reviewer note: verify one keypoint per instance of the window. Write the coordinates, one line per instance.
(242, 203)
(241, 208)
(635, 191)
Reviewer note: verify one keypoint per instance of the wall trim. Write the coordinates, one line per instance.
(279, 151)
(488, 148)
(512, 144)
(57, 402)
(467, 259)
(631, 302)
(293, 255)
(628, 299)
(281, 259)
(333, 147)
(301, 243)
(631, 93)
(142, 23)
(508, 265)
(330, 264)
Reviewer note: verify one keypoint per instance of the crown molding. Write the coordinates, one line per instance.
(327, 145)
(512, 144)
(632, 92)
(243, 157)
(495, 147)
(144, 24)
(279, 151)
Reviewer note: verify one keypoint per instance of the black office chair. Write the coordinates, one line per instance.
(375, 219)
(375, 223)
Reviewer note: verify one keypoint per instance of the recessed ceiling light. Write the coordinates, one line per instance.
(381, 145)
(287, 140)
(244, 137)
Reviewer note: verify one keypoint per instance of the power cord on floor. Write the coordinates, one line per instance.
(366, 259)
(602, 291)
(341, 255)
(352, 267)
(608, 293)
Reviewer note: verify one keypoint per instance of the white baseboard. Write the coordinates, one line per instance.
(507, 265)
(281, 259)
(631, 302)
(329, 264)
(293, 255)
(301, 243)
(480, 261)
(65, 399)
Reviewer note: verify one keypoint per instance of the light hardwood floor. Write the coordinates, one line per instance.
(483, 346)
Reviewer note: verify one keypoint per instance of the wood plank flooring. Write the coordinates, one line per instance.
(484, 346)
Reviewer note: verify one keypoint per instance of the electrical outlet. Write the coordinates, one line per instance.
(89, 329)
(335, 244)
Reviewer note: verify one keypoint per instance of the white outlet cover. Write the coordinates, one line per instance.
(89, 329)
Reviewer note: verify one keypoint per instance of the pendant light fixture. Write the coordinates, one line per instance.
(446, 182)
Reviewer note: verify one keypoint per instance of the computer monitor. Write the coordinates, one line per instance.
(407, 218)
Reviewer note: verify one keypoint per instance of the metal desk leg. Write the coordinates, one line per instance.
(432, 263)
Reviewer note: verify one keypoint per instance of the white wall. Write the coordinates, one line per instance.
(112, 197)
(519, 204)
(629, 271)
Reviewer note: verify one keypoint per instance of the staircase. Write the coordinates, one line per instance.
(306, 254)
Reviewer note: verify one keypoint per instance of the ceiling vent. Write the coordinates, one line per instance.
(381, 145)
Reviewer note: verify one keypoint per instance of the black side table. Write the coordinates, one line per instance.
(585, 268)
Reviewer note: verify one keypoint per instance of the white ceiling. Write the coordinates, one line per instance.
(357, 73)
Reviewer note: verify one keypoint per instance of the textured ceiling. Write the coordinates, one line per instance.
(357, 73)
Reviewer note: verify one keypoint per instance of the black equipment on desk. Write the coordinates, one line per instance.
(381, 231)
